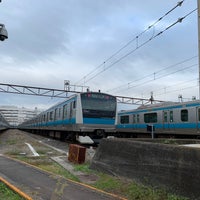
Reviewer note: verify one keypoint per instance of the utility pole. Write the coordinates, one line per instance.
(198, 8)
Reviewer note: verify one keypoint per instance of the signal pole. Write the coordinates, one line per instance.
(198, 13)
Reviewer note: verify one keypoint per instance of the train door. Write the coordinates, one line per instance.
(72, 111)
(167, 119)
(136, 121)
(198, 118)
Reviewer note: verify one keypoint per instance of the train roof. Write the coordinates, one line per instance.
(163, 105)
(71, 97)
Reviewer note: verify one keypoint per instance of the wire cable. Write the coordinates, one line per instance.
(171, 86)
(152, 74)
(132, 40)
(162, 76)
(179, 20)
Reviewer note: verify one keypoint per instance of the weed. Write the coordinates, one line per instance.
(11, 141)
(82, 168)
(8, 194)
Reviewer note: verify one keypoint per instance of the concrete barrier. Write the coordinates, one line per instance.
(172, 167)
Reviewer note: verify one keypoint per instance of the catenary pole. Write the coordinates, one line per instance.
(198, 8)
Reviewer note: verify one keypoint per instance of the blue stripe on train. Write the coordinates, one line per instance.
(58, 122)
(172, 125)
(98, 121)
(73, 121)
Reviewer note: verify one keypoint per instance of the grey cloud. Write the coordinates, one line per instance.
(36, 30)
(78, 35)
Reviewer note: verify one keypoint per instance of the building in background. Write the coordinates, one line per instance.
(15, 115)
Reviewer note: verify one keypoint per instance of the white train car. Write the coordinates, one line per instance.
(164, 119)
(90, 114)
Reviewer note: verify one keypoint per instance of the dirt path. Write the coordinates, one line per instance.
(14, 142)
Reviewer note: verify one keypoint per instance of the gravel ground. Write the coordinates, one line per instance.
(15, 142)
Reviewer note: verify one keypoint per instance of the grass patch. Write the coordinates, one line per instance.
(131, 190)
(7, 194)
(49, 165)
(170, 141)
(83, 168)
(57, 169)
(108, 183)
(11, 141)
(13, 152)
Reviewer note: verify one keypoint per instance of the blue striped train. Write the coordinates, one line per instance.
(173, 119)
(91, 114)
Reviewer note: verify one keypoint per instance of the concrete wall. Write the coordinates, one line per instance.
(173, 167)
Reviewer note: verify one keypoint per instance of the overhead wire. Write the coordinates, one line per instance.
(174, 85)
(179, 20)
(161, 77)
(128, 43)
(180, 89)
(156, 94)
(150, 75)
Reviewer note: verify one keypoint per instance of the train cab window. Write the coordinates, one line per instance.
(184, 115)
(150, 117)
(171, 118)
(124, 119)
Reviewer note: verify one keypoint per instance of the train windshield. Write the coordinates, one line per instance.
(98, 105)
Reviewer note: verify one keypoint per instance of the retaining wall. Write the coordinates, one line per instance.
(172, 167)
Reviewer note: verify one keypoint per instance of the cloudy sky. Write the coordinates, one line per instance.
(103, 44)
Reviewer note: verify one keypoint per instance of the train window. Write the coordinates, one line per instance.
(59, 113)
(150, 117)
(124, 119)
(184, 115)
(40, 119)
(65, 111)
(138, 118)
(171, 116)
(44, 118)
(134, 119)
(51, 116)
(56, 114)
(165, 116)
(47, 116)
(199, 114)
(74, 104)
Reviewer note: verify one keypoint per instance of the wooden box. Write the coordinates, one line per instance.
(76, 154)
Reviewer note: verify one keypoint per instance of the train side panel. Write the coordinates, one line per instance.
(172, 119)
